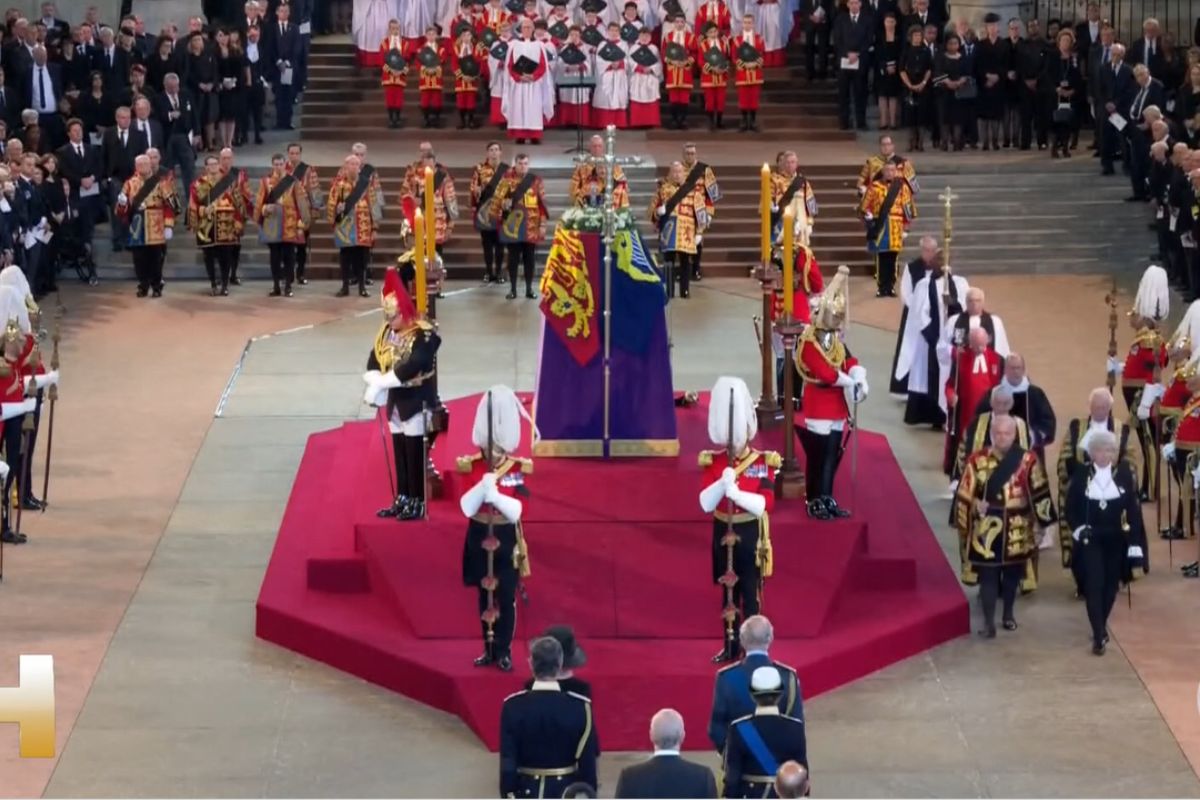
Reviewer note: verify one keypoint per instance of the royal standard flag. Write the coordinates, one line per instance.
(570, 289)
(638, 293)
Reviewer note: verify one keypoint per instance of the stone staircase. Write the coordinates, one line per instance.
(1035, 217)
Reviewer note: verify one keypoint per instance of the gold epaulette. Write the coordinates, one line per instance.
(705, 458)
(729, 667)
(515, 694)
(773, 459)
(465, 463)
(425, 325)
(526, 465)
(579, 696)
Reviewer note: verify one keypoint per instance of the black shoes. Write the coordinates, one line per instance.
(9, 537)
(403, 509)
(529, 295)
(31, 503)
(511, 295)
(1010, 624)
(1191, 570)
(157, 291)
(1098, 647)
(215, 290)
(235, 280)
(275, 292)
(724, 656)
(343, 292)
(1172, 533)
(362, 292)
(142, 291)
(988, 632)
(287, 292)
(303, 281)
(484, 660)
(503, 663)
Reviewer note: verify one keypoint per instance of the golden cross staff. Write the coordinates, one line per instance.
(947, 197)
(52, 395)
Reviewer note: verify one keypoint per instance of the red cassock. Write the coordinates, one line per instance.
(823, 398)
(466, 90)
(713, 11)
(679, 79)
(748, 77)
(713, 82)
(758, 478)
(976, 381)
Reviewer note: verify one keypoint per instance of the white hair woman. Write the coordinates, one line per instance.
(494, 554)
(1108, 537)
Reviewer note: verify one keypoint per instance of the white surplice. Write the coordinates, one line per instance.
(526, 105)
(370, 22)
(612, 82)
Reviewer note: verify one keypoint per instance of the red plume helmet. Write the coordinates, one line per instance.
(395, 298)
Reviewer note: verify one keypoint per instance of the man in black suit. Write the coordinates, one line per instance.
(818, 19)
(922, 16)
(853, 38)
(11, 103)
(121, 146)
(1148, 50)
(666, 774)
(301, 15)
(112, 62)
(145, 124)
(87, 48)
(1099, 57)
(256, 92)
(1032, 64)
(176, 115)
(1146, 106)
(1087, 33)
(80, 163)
(50, 20)
(43, 91)
(251, 18)
(1117, 89)
(284, 49)
(33, 214)
(18, 51)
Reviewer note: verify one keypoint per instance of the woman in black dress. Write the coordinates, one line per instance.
(75, 69)
(242, 100)
(201, 80)
(1012, 86)
(887, 81)
(55, 196)
(232, 88)
(950, 75)
(989, 76)
(1188, 101)
(1067, 80)
(160, 62)
(96, 106)
(1108, 538)
(916, 72)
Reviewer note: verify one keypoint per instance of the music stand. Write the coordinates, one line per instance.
(587, 82)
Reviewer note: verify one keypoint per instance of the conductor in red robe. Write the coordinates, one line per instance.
(975, 371)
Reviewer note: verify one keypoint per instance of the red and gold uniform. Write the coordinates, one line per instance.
(466, 88)
(714, 81)
(430, 78)
(748, 76)
(495, 17)
(354, 227)
(587, 181)
(1016, 492)
(821, 356)
(496, 578)
(215, 220)
(474, 19)
(887, 208)
(445, 201)
(481, 178)
(713, 11)
(532, 204)
(750, 557)
(680, 227)
(1146, 358)
(287, 224)
(680, 77)
(393, 81)
(147, 224)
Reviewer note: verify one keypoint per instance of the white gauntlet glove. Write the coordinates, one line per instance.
(1168, 450)
(1114, 366)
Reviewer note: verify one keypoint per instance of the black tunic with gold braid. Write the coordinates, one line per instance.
(410, 354)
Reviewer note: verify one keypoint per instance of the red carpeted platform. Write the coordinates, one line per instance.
(620, 550)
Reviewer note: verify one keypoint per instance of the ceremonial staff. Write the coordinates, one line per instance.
(52, 394)
(790, 480)
(948, 197)
(729, 541)
(490, 544)
(768, 277)
(1111, 300)
(428, 280)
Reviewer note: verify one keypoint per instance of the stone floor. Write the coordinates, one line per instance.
(141, 579)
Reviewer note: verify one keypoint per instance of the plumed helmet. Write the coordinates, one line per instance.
(745, 423)
(507, 413)
(1153, 299)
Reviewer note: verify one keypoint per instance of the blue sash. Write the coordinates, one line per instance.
(758, 748)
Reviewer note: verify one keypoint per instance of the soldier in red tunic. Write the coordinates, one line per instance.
(494, 555)
(739, 491)
(1143, 363)
(832, 380)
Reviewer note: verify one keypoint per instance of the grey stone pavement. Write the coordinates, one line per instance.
(189, 703)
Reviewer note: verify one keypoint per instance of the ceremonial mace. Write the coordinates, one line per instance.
(1110, 300)
(789, 482)
(768, 277)
(52, 394)
(948, 197)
